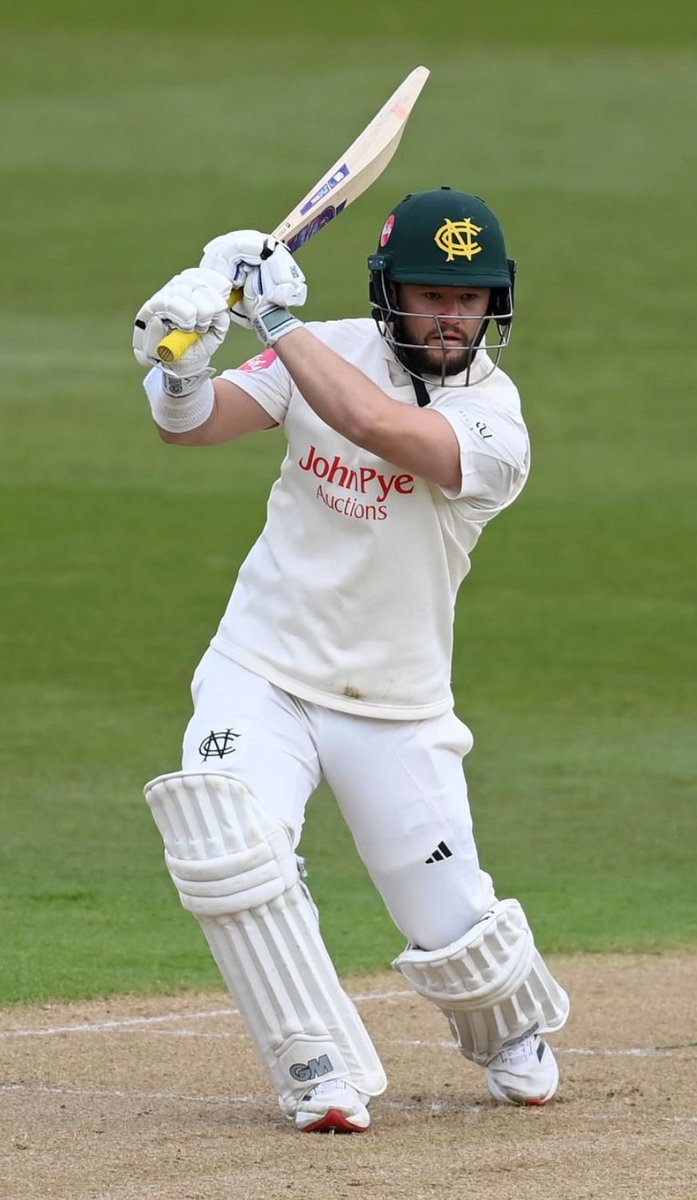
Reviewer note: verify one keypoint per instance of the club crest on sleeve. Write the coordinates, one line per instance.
(260, 361)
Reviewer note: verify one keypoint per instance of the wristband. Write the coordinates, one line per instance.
(179, 411)
(179, 386)
(271, 324)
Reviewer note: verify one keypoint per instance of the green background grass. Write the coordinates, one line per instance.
(132, 136)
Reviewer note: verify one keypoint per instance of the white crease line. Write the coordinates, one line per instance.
(126, 1022)
(633, 1052)
(428, 1044)
(228, 1035)
(121, 1093)
(435, 1106)
(103, 1026)
(135, 1024)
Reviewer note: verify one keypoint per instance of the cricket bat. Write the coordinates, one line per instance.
(359, 166)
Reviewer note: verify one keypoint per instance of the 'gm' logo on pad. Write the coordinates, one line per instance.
(312, 1069)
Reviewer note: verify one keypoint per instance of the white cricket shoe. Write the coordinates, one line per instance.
(525, 1072)
(332, 1107)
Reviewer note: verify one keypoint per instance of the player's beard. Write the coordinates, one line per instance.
(432, 358)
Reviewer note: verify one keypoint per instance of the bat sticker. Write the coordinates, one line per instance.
(308, 231)
(342, 173)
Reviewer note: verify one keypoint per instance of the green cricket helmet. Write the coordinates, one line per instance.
(449, 239)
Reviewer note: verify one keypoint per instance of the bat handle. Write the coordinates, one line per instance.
(171, 348)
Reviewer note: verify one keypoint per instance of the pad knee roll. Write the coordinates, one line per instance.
(492, 984)
(225, 853)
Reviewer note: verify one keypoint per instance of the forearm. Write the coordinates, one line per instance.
(216, 412)
(419, 440)
(338, 392)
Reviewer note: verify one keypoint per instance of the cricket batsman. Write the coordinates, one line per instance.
(332, 659)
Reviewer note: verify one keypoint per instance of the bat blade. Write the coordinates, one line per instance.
(359, 166)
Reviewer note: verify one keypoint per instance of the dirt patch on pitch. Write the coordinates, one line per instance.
(162, 1097)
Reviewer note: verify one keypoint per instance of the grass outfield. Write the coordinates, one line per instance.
(576, 663)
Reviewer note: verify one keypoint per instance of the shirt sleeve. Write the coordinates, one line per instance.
(494, 457)
(266, 380)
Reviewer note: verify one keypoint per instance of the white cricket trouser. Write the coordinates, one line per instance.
(398, 784)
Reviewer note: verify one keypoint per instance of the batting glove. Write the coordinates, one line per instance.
(236, 254)
(196, 300)
(263, 267)
(268, 291)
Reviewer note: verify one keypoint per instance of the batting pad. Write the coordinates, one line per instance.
(234, 868)
(492, 984)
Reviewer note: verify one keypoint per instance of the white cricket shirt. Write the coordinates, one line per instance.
(347, 597)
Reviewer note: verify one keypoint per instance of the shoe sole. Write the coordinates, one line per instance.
(333, 1121)
(522, 1103)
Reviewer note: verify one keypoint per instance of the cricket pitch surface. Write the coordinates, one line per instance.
(162, 1098)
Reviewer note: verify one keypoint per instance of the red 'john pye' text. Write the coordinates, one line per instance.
(355, 479)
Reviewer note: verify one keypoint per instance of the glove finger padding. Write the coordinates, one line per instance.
(283, 283)
(211, 294)
(235, 254)
(196, 300)
(277, 281)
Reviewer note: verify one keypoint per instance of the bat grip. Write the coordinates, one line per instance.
(177, 342)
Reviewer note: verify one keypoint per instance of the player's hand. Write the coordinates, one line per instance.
(268, 290)
(264, 267)
(194, 300)
(236, 254)
(277, 281)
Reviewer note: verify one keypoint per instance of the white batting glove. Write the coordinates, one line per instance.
(268, 291)
(195, 300)
(236, 254)
(270, 276)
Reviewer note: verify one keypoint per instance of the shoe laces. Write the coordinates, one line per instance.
(525, 1047)
(327, 1087)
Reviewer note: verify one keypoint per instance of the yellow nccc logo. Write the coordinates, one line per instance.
(458, 239)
